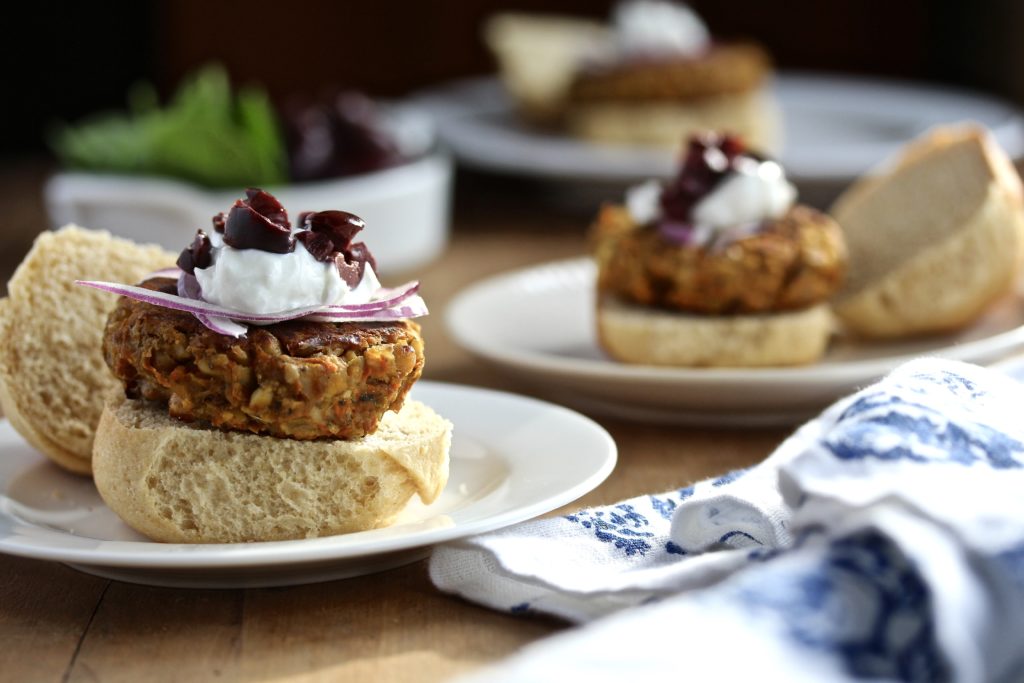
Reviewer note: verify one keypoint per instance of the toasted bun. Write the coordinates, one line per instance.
(649, 336)
(934, 240)
(184, 483)
(52, 374)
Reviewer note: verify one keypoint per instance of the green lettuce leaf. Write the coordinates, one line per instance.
(206, 134)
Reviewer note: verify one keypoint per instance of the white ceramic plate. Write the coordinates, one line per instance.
(835, 128)
(512, 458)
(538, 323)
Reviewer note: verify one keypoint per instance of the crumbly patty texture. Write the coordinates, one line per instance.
(725, 69)
(297, 379)
(794, 262)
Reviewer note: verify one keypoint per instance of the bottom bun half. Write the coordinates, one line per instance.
(184, 483)
(753, 116)
(649, 336)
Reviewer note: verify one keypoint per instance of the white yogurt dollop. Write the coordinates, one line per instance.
(254, 281)
(754, 191)
(651, 27)
(643, 202)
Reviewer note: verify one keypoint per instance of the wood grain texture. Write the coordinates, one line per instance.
(45, 609)
(393, 626)
(141, 633)
(57, 624)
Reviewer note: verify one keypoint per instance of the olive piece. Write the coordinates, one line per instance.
(328, 236)
(259, 222)
(218, 222)
(340, 226)
(317, 244)
(196, 255)
(709, 158)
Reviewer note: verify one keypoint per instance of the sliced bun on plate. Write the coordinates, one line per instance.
(935, 239)
(52, 374)
(538, 57)
(650, 336)
(185, 483)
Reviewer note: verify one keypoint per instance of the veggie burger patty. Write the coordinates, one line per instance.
(296, 379)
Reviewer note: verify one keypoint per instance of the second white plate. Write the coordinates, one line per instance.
(538, 323)
(835, 128)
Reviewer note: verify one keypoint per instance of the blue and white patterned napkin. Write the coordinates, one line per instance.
(884, 540)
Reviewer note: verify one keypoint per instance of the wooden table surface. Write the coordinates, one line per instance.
(57, 624)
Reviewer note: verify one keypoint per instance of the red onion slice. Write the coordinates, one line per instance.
(188, 305)
(188, 287)
(412, 307)
(174, 271)
(679, 233)
(175, 302)
(401, 302)
(223, 326)
(383, 298)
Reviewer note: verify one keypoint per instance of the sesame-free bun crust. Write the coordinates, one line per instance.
(52, 374)
(649, 336)
(753, 115)
(186, 483)
(934, 240)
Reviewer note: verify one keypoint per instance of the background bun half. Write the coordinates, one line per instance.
(935, 239)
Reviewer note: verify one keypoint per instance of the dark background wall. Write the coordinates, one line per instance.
(69, 59)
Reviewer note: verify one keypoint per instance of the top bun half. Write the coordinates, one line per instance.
(53, 378)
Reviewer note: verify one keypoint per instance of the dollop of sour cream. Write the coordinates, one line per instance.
(754, 191)
(651, 27)
(255, 281)
(643, 202)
